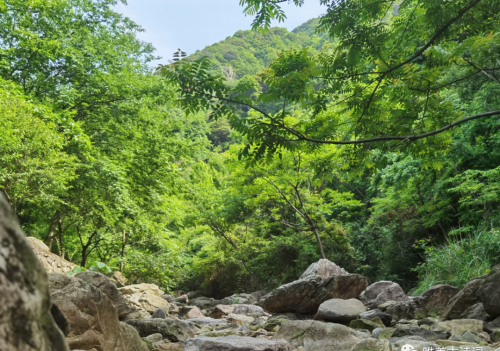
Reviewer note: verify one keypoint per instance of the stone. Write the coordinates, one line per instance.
(383, 291)
(194, 294)
(489, 292)
(324, 268)
(418, 343)
(170, 347)
(118, 279)
(204, 302)
(190, 312)
(383, 333)
(413, 330)
(26, 322)
(92, 316)
(432, 302)
(460, 345)
(223, 310)
(427, 321)
(464, 299)
(277, 320)
(239, 299)
(306, 295)
(385, 317)
(205, 321)
(340, 311)
(473, 337)
(366, 324)
(181, 299)
(141, 288)
(235, 343)
(154, 337)
(372, 345)
(51, 262)
(101, 282)
(159, 313)
(147, 297)
(458, 326)
(476, 312)
(239, 319)
(318, 336)
(175, 330)
(401, 310)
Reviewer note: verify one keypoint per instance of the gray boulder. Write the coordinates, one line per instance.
(489, 292)
(174, 330)
(476, 312)
(106, 286)
(305, 295)
(235, 343)
(432, 302)
(340, 311)
(324, 268)
(418, 343)
(26, 322)
(204, 302)
(464, 299)
(384, 317)
(318, 336)
(413, 330)
(383, 291)
(159, 313)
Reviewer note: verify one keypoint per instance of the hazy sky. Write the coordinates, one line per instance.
(193, 24)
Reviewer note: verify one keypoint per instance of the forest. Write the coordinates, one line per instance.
(369, 136)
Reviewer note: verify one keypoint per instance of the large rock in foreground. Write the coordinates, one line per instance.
(383, 291)
(432, 302)
(92, 316)
(305, 295)
(318, 336)
(324, 268)
(235, 343)
(340, 311)
(464, 299)
(26, 323)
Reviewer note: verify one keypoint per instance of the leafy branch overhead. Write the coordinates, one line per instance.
(388, 77)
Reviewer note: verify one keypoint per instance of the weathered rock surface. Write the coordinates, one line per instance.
(324, 268)
(248, 310)
(159, 313)
(372, 345)
(318, 336)
(190, 312)
(51, 262)
(366, 324)
(305, 295)
(432, 302)
(458, 326)
(384, 317)
(464, 299)
(476, 312)
(204, 302)
(418, 343)
(26, 323)
(489, 292)
(236, 343)
(401, 310)
(118, 279)
(92, 316)
(340, 311)
(101, 282)
(383, 291)
(413, 330)
(174, 330)
(147, 297)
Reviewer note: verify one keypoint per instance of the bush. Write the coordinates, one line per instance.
(459, 260)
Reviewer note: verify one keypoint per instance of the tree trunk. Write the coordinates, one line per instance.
(61, 242)
(124, 243)
(52, 230)
(319, 243)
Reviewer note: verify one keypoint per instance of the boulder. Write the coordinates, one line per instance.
(235, 343)
(239, 299)
(318, 336)
(464, 299)
(147, 297)
(92, 316)
(417, 343)
(372, 345)
(141, 288)
(384, 317)
(462, 346)
(51, 262)
(383, 291)
(458, 326)
(26, 322)
(324, 268)
(194, 294)
(239, 319)
(159, 313)
(489, 292)
(118, 279)
(476, 312)
(101, 282)
(190, 312)
(305, 295)
(366, 324)
(204, 302)
(175, 330)
(340, 311)
(413, 330)
(401, 310)
(248, 310)
(277, 320)
(432, 302)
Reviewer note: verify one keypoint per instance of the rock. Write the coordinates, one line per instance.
(190, 312)
(51, 262)
(277, 320)
(340, 311)
(204, 302)
(181, 299)
(372, 345)
(427, 321)
(383, 333)
(141, 288)
(383, 291)
(474, 337)
(366, 324)
(194, 294)
(223, 310)
(458, 326)
(476, 312)
(26, 322)
(462, 346)
(205, 321)
(118, 279)
(147, 297)
(174, 330)
(159, 313)
(417, 343)
(401, 310)
(101, 282)
(489, 292)
(92, 316)
(305, 295)
(385, 317)
(324, 268)
(170, 347)
(432, 302)
(235, 343)
(464, 299)
(154, 337)
(318, 336)
(239, 319)
(413, 330)
(239, 299)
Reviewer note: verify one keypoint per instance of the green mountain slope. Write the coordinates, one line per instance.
(248, 52)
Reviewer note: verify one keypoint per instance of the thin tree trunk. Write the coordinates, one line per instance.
(61, 242)
(52, 230)
(319, 243)
(124, 243)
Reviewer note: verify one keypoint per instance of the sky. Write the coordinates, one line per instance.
(194, 24)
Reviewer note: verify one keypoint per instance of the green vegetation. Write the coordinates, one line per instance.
(373, 142)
